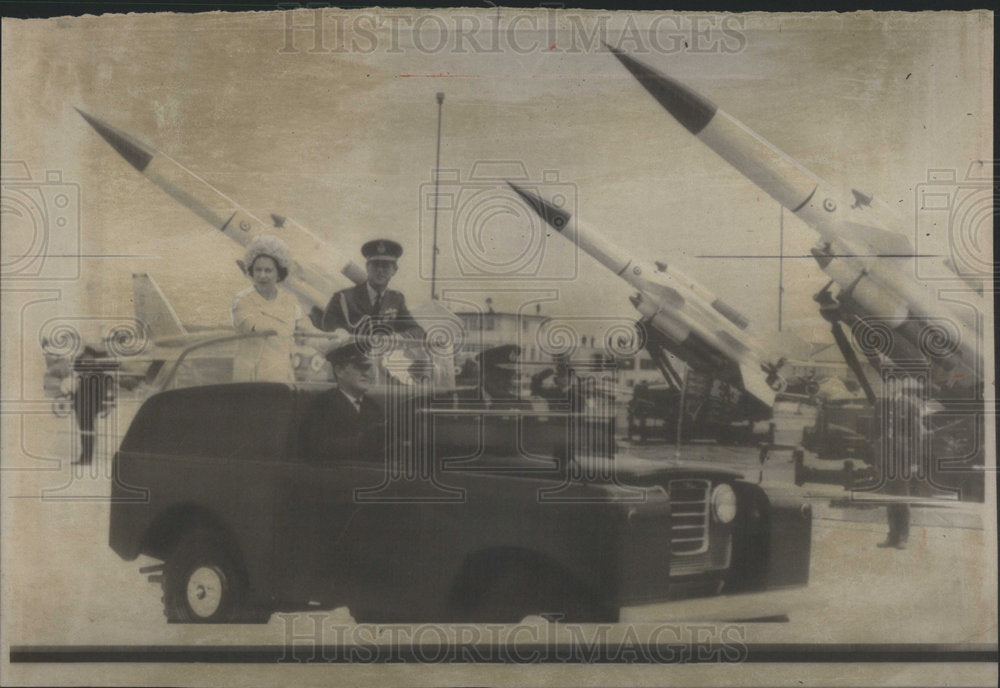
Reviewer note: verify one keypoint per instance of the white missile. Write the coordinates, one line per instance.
(314, 262)
(706, 332)
(863, 256)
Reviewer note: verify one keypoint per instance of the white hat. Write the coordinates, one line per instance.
(267, 245)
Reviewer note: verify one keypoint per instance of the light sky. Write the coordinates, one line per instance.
(343, 141)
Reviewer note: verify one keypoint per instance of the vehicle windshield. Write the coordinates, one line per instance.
(238, 358)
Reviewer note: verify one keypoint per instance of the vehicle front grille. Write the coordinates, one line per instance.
(689, 514)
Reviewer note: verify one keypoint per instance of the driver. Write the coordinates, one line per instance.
(344, 421)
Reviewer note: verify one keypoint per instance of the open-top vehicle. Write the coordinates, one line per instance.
(470, 513)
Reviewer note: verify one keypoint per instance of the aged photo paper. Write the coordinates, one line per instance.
(685, 374)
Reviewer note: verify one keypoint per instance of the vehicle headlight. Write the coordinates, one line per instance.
(316, 363)
(723, 503)
(296, 361)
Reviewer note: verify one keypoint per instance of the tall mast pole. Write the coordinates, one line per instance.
(781, 260)
(437, 176)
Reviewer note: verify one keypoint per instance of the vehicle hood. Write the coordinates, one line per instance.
(624, 468)
(639, 468)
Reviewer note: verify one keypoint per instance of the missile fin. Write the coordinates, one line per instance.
(881, 242)
(755, 383)
(692, 110)
(666, 296)
(244, 222)
(823, 256)
(861, 199)
(137, 154)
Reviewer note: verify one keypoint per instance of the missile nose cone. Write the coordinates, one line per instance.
(137, 154)
(556, 217)
(689, 108)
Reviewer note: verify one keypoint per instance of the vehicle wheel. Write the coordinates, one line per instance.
(201, 582)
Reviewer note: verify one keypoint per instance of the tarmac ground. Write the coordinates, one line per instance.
(62, 584)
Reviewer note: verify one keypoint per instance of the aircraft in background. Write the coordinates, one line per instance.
(159, 339)
(316, 272)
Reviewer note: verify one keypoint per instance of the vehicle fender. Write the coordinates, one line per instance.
(789, 537)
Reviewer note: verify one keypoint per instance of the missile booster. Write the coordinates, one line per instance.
(702, 330)
(871, 264)
(314, 262)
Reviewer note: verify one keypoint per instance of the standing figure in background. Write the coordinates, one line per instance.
(553, 384)
(498, 374)
(92, 393)
(904, 456)
(640, 408)
(264, 308)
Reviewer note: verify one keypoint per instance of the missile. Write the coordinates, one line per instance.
(314, 262)
(704, 331)
(858, 252)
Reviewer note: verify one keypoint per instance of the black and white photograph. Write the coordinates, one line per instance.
(498, 346)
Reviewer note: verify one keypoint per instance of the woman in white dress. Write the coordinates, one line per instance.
(264, 307)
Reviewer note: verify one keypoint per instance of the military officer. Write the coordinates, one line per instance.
(554, 384)
(361, 308)
(497, 377)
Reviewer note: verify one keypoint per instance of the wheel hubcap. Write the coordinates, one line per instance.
(205, 589)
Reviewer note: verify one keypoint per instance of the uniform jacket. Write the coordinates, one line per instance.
(334, 429)
(349, 307)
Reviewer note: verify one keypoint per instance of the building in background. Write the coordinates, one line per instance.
(487, 329)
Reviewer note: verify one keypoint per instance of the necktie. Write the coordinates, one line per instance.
(377, 306)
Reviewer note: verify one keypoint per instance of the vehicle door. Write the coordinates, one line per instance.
(313, 508)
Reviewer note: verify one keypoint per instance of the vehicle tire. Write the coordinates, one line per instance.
(202, 582)
(514, 592)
